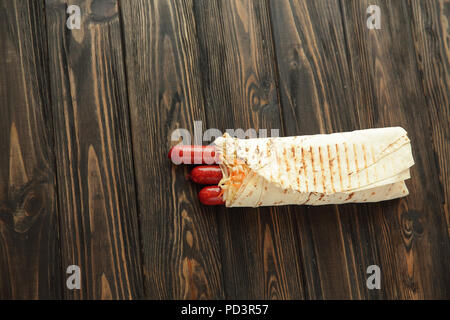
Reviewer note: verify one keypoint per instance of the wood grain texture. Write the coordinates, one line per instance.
(314, 81)
(29, 244)
(430, 28)
(180, 237)
(87, 118)
(259, 246)
(415, 244)
(97, 200)
(341, 75)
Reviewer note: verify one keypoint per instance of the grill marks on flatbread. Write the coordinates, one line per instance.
(317, 169)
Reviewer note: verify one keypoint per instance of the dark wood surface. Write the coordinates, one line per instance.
(87, 115)
(94, 162)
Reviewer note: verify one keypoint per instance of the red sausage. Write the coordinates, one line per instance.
(183, 154)
(206, 174)
(211, 196)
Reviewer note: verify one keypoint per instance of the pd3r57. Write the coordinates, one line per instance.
(246, 309)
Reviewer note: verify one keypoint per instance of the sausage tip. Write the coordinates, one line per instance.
(211, 196)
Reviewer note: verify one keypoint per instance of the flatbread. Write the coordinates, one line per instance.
(359, 166)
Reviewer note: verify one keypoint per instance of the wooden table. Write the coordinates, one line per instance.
(86, 117)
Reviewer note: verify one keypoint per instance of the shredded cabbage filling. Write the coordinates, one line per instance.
(234, 175)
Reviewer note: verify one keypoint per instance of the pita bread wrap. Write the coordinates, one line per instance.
(359, 166)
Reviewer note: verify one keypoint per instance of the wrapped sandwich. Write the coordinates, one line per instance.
(360, 166)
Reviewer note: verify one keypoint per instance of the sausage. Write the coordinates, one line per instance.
(211, 196)
(206, 174)
(185, 154)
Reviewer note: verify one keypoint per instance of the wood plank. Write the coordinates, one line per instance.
(260, 248)
(29, 250)
(336, 241)
(365, 63)
(97, 200)
(430, 34)
(180, 237)
(413, 240)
